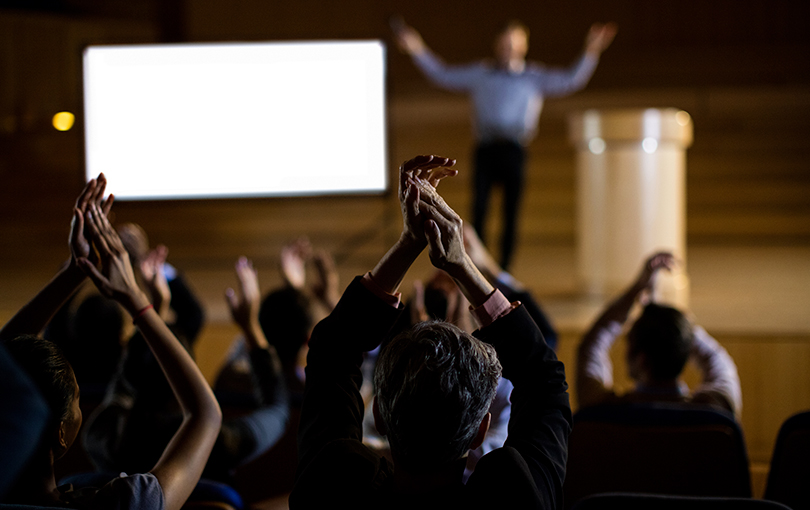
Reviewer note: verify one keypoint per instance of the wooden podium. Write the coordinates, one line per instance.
(631, 196)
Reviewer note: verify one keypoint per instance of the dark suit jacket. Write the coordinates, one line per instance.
(335, 468)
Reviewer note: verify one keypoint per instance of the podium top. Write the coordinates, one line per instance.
(630, 125)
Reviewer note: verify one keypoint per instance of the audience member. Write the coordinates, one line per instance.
(170, 292)
(660, 342)
(97, 251)
(511, 288)
(434, 384)
(85, 326)
(288, 313)
(137, 417)
(440, 298)
(23, 415)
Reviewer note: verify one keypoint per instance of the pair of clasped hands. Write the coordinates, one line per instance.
(428, 220)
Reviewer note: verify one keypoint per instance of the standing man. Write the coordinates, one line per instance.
(507, 96)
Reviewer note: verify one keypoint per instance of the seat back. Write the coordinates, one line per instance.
(678, 449)
(790, 464)
(630, 501)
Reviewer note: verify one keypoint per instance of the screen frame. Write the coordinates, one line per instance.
(385, 172)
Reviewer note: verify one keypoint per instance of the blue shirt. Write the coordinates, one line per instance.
(507, 104)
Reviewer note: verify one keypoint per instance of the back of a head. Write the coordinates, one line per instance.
(135, 241)
(434, 385)
(49, 369)
(436, 303)
(515, 25)
(95, 344)
(286, 319)
(664, 335)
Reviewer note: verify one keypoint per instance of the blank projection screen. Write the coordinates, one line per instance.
(236, 119)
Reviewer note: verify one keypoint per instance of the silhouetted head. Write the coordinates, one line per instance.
(135, 241)
(53, 376)
(512, 43)
(438, 290)
(434, 386)
(659, 343)
(286, 319)
(97, 333)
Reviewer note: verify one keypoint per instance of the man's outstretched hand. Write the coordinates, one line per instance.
(599, 37)
(408, 39)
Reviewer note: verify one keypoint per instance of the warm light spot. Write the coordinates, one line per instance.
(649, 145)
(63, 121)
(596, 145)
(682, 118)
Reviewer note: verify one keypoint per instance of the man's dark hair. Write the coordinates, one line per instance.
(94, 345)
(434, 384)
(664, 335)
(515, 24)
(435, 303)
(49, 369)
(286, 319)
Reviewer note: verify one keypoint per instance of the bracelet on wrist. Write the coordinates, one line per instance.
(141, 312)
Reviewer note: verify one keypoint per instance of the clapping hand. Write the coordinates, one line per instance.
(419, 177)
(294, 257)
(92, 194)
(115, 278)
(646, 279)
(154, 276)
(326, 286)
(244, 304)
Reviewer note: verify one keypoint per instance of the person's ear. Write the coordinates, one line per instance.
(60, 446)
(637, 366)
(483, 428)
(378, 421)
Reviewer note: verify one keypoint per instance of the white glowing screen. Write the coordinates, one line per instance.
(237, 119)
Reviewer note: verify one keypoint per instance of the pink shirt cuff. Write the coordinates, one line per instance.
(369, 283)
(495, 307)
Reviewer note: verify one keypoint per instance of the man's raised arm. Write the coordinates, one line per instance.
(561, 82)
(432, 66)
(333, 407)
(541, 416)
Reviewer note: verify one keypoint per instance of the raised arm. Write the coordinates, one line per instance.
(333, 406)
(35, 315)
(431, 65)
(422, 173)
(444, 232)
(560, 82)
(540, 418)
(594, 380)
(245, 437)
(721, 383)
(502, 280)
(183, 460)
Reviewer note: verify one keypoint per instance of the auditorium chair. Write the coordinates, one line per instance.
(632, 501)
(789, 477)
(660, 448)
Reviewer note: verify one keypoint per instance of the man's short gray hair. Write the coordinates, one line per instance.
(434, 384)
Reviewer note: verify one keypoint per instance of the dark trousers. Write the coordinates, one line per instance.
(499, 162)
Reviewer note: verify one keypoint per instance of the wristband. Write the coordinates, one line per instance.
(141, 312)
